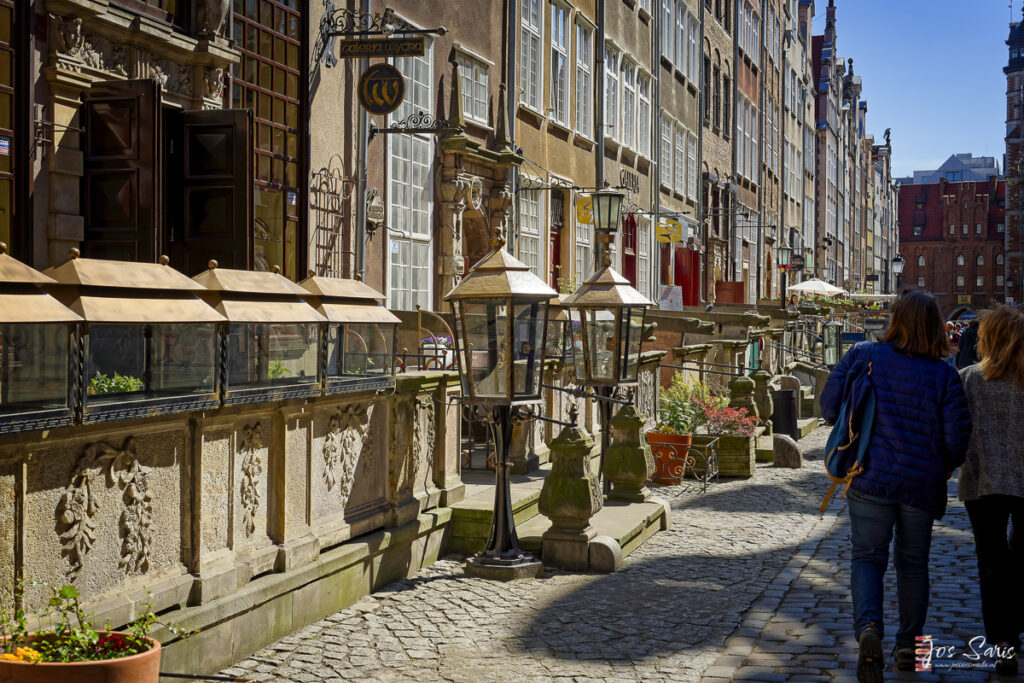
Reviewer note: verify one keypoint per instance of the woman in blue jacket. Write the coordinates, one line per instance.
(919, 437)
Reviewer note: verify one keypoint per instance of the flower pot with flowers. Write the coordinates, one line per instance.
(72, 650)
(736, 430)
(679, 416)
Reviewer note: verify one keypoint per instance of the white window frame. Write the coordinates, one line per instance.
(474, 80)
(979, 281)
(920, 280)
(531, 72)
(1000, 281)
(643, 114)
(920, 261)
(584, 81)
(960, 259)
(977, 228)
(680, 38)
(530, 240)
(628, 126)
(643, 255)
(560, 58)
(679, 161)
(666, 126)
(691, 167)
(979, 260)
(584, 251)
(667, 29)
(611, 92)
(693, 61)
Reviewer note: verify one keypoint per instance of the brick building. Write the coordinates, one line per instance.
(951, 236)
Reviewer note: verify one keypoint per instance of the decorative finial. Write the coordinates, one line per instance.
(275, 269)
(3, 247)
(212, 263)
(606, 259)
(164, 260)
(311, 273)
(498, 238)
(574, 414)
(74, 252)
(358, 277)
(501, 139)
(850, 63)
(456, 117)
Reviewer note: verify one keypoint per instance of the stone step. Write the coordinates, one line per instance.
(807, 425)
(764, 451)
(471, 516)
(630, 524)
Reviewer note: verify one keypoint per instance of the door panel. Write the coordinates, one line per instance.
(120, 183)
(216, 187)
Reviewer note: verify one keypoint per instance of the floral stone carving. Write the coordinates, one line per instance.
(423, 435)
(252, 468)
(78, 506)
(347, 435)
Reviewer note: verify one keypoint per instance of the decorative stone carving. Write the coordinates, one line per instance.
(423, 434)
(210, 16)
(158, 74)
(183, 80)
(629, 464)
(570, 496)
(78, 506)
(68, 32)
(459, 193)
(647, 396)
(213, 82)
(404, 467)
(500, 208)
(347, 435)
(252, 468)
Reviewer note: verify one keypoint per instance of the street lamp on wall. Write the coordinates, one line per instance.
(898, 263)
(499, 318)
(783, 256)
(607, 208)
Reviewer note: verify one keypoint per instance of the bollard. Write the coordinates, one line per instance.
(628, 464)
(763, 398)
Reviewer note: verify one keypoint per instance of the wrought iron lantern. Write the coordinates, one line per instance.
(607, 321)
(832, 346)
(897, 264)
(35, 342)
(784, 255)
(360, 335)
(607, 207)
(559, 336)
(149, 342)
(271, 341)
(499, 319)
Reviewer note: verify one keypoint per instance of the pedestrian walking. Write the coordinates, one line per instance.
(992, 478)
(967, 353)
(919, 436)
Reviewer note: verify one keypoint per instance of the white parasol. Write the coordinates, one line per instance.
(816, 286)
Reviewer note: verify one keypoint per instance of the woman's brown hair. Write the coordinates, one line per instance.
(1001, 344)
(917, 328)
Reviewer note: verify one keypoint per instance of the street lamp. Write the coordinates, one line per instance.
(607, 322)
(832, 343)
(783, 256)
(897, 268)
(607, 207)
(499, 315)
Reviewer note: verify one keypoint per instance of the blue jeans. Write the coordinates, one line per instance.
(872, 520)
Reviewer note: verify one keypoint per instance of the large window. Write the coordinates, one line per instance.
(666, 150)
(530, 57)
(584, 87)
(473, 81)
(691, 167)
(266, 80)
(666, 29)
(584, 251)
(680, 59)
(560, 64)
(643, 86)
(680, 161)
(693, 63)
(643, 255)
(531, 208)
(411, 192)
(611, 90)
(628, 129)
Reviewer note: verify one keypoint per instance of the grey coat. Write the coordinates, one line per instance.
(995, 454)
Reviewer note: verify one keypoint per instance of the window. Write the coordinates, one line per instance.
(963, 229)
(693, 63)
(755, 39)
(959, 280)
(1000, 228)
(643, 256)
(410, 191)
(999, 259)
(611, 90)
(691, 167)
(706, 89)
(741, 153)
(960, 259)
(628, 104)
(666, 151)
(560, 64)
(952, 229)
(769, 139)
(920, 280)
(530, 58)
(716, 97)
(680, 161)
(680, 59)
(473, 81)
(584, 96)
(980, 261)
(531, 212)
(584, 250)
(980, 281)
(977, 228)
(999, 281)
(754, 145)
(643, 86)
(920, 261)
(726, 100)
(666, 29)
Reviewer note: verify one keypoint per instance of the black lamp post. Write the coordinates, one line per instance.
(897, 268)
(783, 257)
(499, 319)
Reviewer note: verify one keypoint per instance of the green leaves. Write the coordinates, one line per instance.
(101, 384)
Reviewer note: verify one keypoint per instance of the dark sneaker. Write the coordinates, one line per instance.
(905, 658)
(869, 661)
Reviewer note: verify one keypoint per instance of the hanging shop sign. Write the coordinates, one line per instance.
(381, 47)
(796, 262)
(584, 211)
(670, 231)
(629, 180)
(374, 207)
(381, 89)
(963, 298)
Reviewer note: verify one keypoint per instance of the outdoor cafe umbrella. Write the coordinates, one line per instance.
(816, 286)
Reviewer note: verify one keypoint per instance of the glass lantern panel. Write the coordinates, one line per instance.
(184, 358)
(601, 347)
(367, 350)
(292, 353)
(334, 349)
(116, 362)
(33, 367)
(632, 336)
(575, 336)
(556, 344)
(487, 348)
(247, 355)
(458, 318)
(528, 333)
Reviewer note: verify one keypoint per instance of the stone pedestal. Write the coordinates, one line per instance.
(570, 497)
(763, 398)
(628, 464)
(741, 394)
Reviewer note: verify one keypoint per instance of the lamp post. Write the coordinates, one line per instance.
(499, 315)
(897, 268)
(607, 206)
(832, 343)
(783, 257)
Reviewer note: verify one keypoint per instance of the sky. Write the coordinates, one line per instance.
(932, 72)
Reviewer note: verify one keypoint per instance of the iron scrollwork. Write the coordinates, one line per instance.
(420, 122)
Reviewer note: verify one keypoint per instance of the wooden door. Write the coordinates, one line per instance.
(214, 192)
(121, 175)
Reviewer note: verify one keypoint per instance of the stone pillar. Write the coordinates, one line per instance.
(628, 464)
(570, 497)
(741, 394)
(763, 398)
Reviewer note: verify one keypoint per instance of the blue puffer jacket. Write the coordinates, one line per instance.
(921, 426)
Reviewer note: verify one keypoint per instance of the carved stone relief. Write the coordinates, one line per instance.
(68, 31)
(405, 463)
(252, 468)
(78, 506)
(347, 435)
(213, 82)
(645, 399)
(460, 192)
(424, 434)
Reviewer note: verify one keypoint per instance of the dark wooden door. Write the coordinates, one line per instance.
(120, 182)
(215, 191)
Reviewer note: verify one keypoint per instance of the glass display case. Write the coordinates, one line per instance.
(36, 333)
(272, 338)
(359, 342)
(149, 343)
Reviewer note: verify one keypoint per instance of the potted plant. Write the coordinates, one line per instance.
(679, 415)
(736, 431)
(72, 649)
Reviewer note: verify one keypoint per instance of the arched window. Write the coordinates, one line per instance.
(980, 260)
(999, 259)
(920, 261)
(960, 260)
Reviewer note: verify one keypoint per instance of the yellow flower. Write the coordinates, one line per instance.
(8, 657)
(27, 654)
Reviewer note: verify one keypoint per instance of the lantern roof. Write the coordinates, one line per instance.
(13, 271)
(606, 288)
(347, 301)
(499, 274)
(94, 272)
(341, 288)
(246, 281)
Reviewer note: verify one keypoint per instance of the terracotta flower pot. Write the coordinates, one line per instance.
(670, 456)
(141, 668)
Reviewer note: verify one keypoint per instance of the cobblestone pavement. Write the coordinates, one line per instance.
(750, 584)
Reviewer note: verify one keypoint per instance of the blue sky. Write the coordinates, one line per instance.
(932, 72)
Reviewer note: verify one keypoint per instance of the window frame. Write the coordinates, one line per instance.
(559, 107)
(531, 79)
(584, 125)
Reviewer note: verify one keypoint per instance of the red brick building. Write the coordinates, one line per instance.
(951, 237)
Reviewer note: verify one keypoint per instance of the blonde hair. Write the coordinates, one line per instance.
(1001, 344)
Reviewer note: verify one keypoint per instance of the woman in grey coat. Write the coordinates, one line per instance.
(992, 478)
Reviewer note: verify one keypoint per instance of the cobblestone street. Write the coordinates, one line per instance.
(750, 584)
